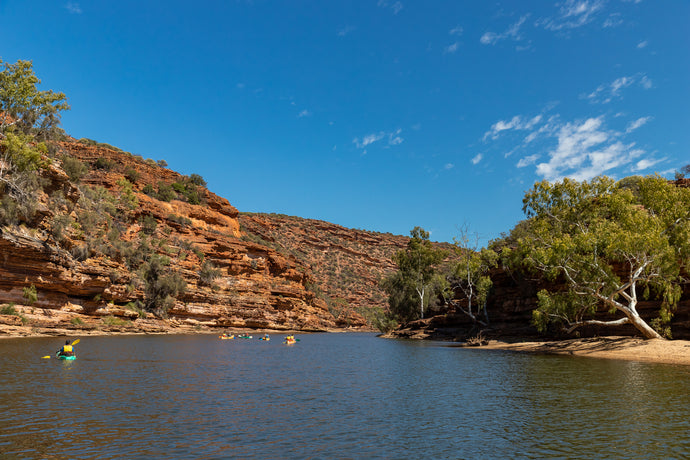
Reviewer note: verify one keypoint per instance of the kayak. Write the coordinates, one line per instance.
(227, 337)
(290, 342)
(66, 358)
(265, 338)
(244, 336)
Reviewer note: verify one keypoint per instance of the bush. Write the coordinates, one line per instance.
(149, 224)
(208, 273)
(165, 192)
(132, 175)
(74, 168)
(30, 294)
(196, 179)
(104, 163)
(161, 285)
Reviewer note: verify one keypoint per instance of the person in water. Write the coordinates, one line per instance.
(66, 349)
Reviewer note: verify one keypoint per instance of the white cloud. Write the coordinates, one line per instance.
(614, 20)
(637, 123)
(646, 163)
(513, 32)
(395, 6)
(646, 82)
(477, 158)
(643, 44)
(516, 123)
(586, 150)
(393, 138)
(304, 113)
(73, 8)
(573, 14)
(448, 166)
(528, 160)
(451, 48)
(457, 30)
(606, 93)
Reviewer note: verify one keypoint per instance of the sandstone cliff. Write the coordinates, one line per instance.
(82, 252)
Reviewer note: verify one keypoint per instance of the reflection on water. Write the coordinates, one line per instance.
(331, 396)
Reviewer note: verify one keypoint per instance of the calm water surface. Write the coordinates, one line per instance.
(331, 396)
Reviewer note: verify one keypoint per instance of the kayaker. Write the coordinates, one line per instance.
(66, 349)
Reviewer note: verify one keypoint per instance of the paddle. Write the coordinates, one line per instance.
(73, 343)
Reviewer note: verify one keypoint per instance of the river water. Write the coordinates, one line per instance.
(332, 396)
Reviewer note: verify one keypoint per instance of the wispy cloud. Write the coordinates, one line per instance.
(450, 49)
(346, 30)
(572, 14)
(578, 149)
(646, 164)
(517, 122)
(73, 8)
(614, 20)
(637, 124)
(396, 6)
(448, 166)
(513, 33)
(457, 30)
(304, 113)
(477, 158)
(606, 93)
(643, 44)
(393, 138)
(528, 160)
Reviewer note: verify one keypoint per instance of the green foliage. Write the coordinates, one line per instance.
(128, 199)
(74, 168)
(162, 286)
(149, 224)
(111, 320)
(604, 240)
(9, 310)
(30, 294)
(418, 279)
(469, 274)
(132, 175)
(23, 106)
(208, 273)
(196, 179)
(166, 192)
(104, 163)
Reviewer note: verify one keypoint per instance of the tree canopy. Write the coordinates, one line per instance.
(23, 106)
(417, 280)
(606, 241)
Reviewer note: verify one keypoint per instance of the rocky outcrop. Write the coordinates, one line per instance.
(253, 285)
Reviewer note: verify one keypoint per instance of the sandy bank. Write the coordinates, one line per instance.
(633, 349)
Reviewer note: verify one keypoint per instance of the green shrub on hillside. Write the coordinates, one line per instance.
(74, 168)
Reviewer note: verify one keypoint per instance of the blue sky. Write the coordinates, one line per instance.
(381, 114)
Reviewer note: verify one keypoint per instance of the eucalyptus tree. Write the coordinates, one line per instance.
(610, 243)
(27, 116)
(418, 278)
(470, 274)
(23, 106)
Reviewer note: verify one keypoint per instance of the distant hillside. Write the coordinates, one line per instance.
(347, 265)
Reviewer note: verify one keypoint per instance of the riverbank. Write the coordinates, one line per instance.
(626, 348)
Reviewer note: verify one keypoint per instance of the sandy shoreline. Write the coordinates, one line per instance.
(627, 348)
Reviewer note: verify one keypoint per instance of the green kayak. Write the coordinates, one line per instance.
(67, 358)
